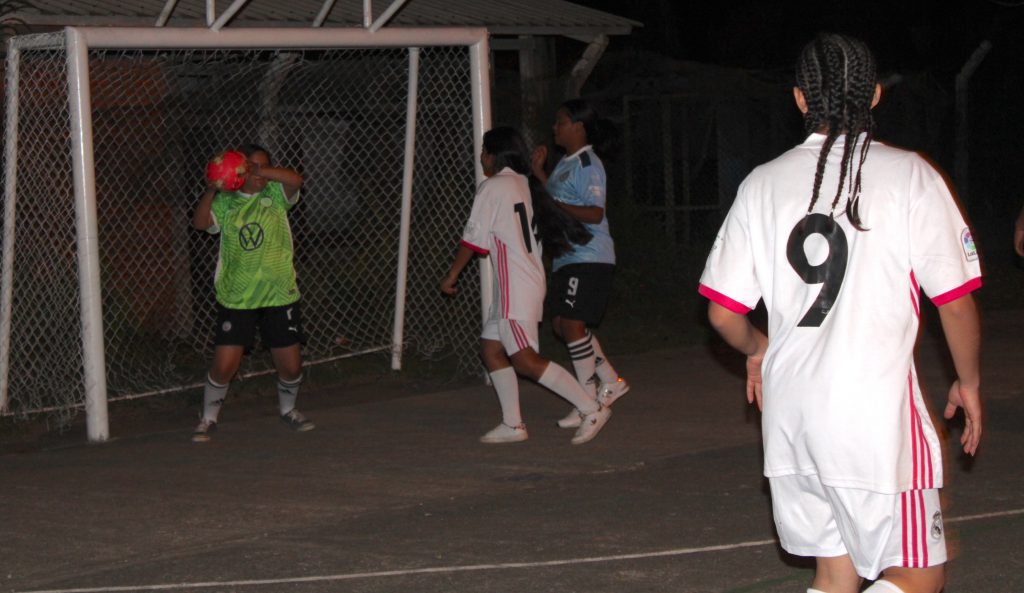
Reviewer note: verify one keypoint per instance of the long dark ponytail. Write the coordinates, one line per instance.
(837, 76)
(557, 230)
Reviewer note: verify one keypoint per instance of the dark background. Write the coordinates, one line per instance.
(920, 49)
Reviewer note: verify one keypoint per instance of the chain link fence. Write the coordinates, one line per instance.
(338, 116)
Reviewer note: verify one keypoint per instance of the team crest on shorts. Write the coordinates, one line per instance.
(937, 525)
(967, 242)
(226, 326)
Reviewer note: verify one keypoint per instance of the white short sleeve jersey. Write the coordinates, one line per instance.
(841, 395)
(501, 226)
(579, 179)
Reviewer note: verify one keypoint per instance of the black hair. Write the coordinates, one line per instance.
(556, 228)
(837, 75)
(601, 132)
(251, 148)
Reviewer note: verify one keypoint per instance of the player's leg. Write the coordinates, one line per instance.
(835, 575)
(806, 526)
(898, 535)
(233, 337)
(226, 360)
(910, 580)
(520, 341)
(506, 385)
(281, 331)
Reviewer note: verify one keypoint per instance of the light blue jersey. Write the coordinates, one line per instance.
(579, 180)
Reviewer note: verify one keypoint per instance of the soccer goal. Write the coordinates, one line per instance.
(107, 291)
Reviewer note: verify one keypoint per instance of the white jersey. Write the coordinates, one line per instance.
(841, 395)
(501, 226)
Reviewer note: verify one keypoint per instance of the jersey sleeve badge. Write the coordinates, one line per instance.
(967, 242)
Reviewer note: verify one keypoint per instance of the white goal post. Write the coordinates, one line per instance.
(106, 289)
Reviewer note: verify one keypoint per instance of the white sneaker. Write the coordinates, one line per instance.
(591, 424)
(572, 420)
(607, 393)
(503, 433)
(202, 432)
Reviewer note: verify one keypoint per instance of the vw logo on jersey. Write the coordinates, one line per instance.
(250, 237)
(937, 525)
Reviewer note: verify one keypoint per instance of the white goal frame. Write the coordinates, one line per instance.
(79, 41)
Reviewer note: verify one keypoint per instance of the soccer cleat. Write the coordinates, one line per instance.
(591, 424)
(296, 421)
(202, 432)
(607, 393)
(571, 420)
(503, 433)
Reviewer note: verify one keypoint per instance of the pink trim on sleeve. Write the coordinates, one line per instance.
(721, 299)
(479, 250)
(952, 295)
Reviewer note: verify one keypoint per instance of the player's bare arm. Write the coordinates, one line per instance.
(738, 332)
(537, 160)
(290, 179)
(1018, 234)
(962, 328)
(202, 219)
(587, 214)
(462, 259)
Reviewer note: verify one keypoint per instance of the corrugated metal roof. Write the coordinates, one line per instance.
(501, 17)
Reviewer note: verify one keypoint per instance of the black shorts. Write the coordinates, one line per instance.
(580, 292)
(280, 327)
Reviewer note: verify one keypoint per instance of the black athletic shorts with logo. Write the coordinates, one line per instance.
(279, 327)
(580, 292)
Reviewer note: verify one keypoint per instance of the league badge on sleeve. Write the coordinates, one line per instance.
(967, 242)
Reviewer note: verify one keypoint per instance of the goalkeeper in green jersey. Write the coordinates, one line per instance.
(255, 284)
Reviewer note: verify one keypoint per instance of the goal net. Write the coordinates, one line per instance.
(351, 119)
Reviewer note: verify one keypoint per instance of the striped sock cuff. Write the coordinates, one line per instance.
(581, 349)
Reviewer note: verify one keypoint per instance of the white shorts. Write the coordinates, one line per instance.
(878, 531)
(513, 335)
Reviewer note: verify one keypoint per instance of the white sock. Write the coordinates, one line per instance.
(561, 382)
(287, 393)
(584, 362)
(506, 384)
(213, 398)
(815, 591)
(882, 586)
(605, 372)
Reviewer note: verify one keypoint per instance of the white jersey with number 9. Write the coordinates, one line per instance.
(841, 395)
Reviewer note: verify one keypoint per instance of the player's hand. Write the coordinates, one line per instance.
(1018, 241)
(754, 379)
(970, 401)
(448, 285)
(538, 159)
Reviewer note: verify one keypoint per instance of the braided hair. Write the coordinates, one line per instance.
(837, 75)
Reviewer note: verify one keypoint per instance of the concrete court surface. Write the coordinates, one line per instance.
(392, 493)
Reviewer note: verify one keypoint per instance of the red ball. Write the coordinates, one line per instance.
(227, 170)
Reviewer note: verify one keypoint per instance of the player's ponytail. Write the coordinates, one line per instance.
(556, 229)
(837, 76)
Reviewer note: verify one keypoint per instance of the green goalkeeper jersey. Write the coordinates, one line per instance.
(255, 266)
